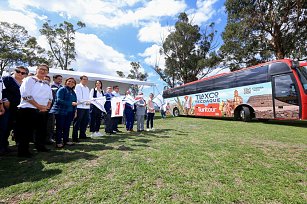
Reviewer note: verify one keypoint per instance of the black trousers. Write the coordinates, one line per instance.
(114, 123)
(80, 123)
(108, 123)
(96, 116)
(150, 117)
(29, 120)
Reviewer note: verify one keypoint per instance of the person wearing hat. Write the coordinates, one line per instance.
(140, 107)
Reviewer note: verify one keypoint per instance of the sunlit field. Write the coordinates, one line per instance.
(185, 160)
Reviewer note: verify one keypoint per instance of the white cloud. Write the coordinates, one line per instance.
(107, 13)
(204, 11)
(95, 56)
(151, 74)
(152, 56)
(154, 32)
(27, 21)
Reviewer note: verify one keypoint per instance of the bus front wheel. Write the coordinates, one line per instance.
(176, 112)
(245, 114)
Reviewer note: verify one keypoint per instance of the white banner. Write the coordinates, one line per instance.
(99, 103)
(129, 99)
(117, 107)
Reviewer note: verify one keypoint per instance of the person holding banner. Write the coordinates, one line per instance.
(116, 109)
(108, 109)
(83, 108)
(129, 111)
(64, 108)
(140, 111)
(95, 112)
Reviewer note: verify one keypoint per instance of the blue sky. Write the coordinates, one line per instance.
(117, 31)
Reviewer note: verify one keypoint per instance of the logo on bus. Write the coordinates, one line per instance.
(210, 110)
(210, 97)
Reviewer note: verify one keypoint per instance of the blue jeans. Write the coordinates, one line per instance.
(63, 123)
(129, 118)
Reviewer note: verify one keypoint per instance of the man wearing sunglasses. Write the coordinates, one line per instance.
(11, 94)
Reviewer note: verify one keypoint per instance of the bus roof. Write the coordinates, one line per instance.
(288, 61)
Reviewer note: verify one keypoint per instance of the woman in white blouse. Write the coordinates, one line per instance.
(96, 113)
(36, 97)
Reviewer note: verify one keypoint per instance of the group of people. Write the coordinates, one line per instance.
(31, 107)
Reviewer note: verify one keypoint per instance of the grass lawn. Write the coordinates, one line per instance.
(185, 160)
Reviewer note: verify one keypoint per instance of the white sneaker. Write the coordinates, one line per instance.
(147, 130)
(99, 134)
(152, 129)
(94, 134)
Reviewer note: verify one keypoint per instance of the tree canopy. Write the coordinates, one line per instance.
(61, 42)
(135, 73)
(18, 47)
(189, 52)
(261, 30)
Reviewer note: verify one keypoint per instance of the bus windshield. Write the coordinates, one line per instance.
(302, 71)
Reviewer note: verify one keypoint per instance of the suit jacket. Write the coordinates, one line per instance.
(11, 91)
(107, 105)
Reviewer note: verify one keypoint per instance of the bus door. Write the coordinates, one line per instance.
(285, 97)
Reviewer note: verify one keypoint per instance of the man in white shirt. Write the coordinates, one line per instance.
(83, 109)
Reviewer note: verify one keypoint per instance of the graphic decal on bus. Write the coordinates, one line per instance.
(221, 102)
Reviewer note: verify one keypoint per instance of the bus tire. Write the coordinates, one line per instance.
(245, 114)
(175, 112)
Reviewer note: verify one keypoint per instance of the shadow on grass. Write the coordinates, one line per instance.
(65, 156)
(302, 124)
(295, 123)
(14, 171)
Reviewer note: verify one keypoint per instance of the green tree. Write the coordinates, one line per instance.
(33, 54)
(18, 47)
(135, 73)
(261, 30)
(189, 52)
(61, 42)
